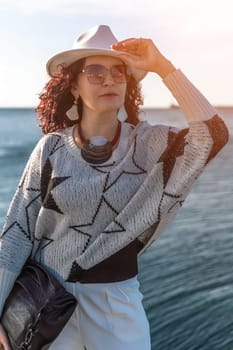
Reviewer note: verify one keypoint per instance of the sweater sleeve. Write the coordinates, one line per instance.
(189, 150)
(191, 101)
(17, 236)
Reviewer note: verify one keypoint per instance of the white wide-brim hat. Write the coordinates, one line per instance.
(96, 41)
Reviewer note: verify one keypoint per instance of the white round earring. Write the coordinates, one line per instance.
(72, 113)
(122, 115)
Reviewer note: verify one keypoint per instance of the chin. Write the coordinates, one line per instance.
(110, 109)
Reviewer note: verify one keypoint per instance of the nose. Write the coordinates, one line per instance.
(108, 79)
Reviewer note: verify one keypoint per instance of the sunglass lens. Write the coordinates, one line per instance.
(118, 73)
(95, 73)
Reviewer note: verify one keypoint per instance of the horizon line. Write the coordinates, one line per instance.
(171, 106)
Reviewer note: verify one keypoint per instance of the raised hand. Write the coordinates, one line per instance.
(143, 54)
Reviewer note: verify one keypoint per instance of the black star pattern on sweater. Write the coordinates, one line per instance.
(216, 127)
(76, 228)
(173, 205)
(56, 147)
(175, 147)
(102, 201)
(118, 228)
(15, 223)
(44, 242)
(75, 272)
(48, 184)
(27, 233)
(135, 169)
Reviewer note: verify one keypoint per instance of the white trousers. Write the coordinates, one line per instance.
(109, 316)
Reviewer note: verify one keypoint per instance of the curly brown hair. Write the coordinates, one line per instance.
(56, 99)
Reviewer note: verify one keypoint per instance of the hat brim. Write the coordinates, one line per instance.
(66, 58)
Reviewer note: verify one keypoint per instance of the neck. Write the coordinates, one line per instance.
(104, 124)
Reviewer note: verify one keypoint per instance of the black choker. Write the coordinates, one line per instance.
(98, 149)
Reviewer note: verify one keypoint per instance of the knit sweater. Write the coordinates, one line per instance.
(72, 215)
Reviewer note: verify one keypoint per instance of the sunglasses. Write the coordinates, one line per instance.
(97, 73)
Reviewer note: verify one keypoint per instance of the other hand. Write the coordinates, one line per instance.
(4, 343)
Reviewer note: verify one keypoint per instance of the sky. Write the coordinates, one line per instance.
(197, 36)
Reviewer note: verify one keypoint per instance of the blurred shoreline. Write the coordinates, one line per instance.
(147, 108)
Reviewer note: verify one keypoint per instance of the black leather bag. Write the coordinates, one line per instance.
(37, 309)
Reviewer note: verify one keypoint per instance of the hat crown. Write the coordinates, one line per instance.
(99, 37)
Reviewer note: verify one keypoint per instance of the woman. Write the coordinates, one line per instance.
(100, 186)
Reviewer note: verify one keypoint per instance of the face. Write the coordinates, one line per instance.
(105, 96)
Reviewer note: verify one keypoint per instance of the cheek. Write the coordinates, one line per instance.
(87, 93)
(123, 93)
(89, 97)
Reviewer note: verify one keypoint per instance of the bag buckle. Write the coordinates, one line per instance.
(31, 331)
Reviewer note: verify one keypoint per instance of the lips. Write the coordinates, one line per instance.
(109, 94)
